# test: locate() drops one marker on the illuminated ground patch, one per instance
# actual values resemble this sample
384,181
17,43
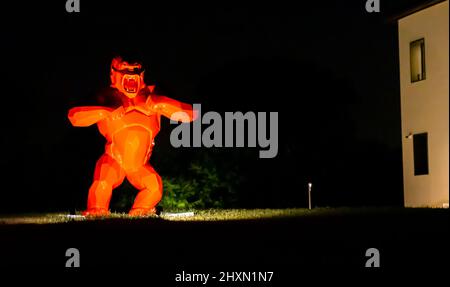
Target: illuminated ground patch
220,215
189,215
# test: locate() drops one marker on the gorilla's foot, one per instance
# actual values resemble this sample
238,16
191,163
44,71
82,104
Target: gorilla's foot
96,212
142,212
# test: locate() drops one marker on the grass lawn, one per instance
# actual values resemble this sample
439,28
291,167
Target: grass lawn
176,215
217,214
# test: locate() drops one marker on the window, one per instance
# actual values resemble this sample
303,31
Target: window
420,146
417,61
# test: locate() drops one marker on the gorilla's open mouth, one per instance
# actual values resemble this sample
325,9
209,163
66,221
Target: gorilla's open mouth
130,83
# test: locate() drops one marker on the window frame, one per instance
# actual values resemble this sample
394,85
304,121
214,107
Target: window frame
423,75
421,156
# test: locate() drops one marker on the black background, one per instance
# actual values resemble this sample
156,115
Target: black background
329,68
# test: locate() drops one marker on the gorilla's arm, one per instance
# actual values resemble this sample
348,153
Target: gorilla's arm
173,109
89,115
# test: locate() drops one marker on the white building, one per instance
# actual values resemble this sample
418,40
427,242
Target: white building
424,66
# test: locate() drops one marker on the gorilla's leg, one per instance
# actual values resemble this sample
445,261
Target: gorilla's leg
108,175
147,180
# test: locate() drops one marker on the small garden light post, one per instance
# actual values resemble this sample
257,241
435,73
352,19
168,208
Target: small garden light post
309,194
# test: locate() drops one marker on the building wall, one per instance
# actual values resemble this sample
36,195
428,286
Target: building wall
425,105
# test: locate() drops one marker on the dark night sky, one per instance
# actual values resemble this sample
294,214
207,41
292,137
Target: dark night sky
328,67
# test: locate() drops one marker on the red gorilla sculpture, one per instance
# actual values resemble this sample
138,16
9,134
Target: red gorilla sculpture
129,131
